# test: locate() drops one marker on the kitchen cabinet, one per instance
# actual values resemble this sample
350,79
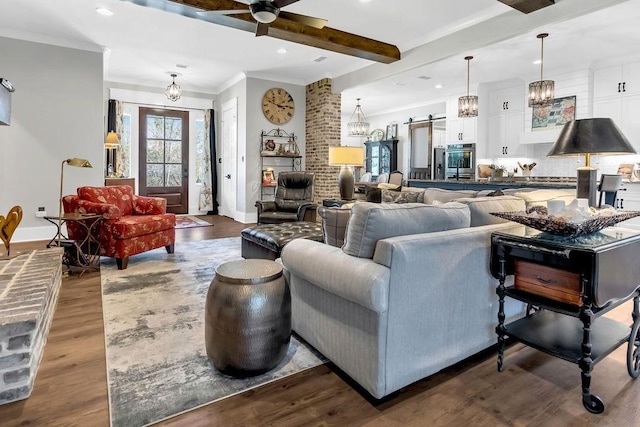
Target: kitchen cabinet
381,156
505,122
629,200
617,95
459,129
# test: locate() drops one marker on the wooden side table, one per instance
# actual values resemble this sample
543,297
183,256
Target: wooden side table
600,269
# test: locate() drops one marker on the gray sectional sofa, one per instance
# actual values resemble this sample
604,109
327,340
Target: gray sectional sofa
409,293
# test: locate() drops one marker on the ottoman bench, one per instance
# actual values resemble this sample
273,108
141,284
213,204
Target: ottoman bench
266,241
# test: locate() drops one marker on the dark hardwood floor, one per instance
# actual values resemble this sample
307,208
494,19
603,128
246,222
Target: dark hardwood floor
534,390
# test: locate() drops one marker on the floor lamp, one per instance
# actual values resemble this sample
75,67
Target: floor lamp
598,136
346,157
80,163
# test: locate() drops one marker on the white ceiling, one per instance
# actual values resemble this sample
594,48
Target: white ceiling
143,45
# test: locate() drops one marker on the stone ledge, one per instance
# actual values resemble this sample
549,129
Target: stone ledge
29,288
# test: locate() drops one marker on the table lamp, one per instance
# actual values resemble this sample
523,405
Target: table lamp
80,163
346,157
598,136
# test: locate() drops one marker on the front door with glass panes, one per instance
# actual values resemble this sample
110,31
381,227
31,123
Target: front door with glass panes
164,157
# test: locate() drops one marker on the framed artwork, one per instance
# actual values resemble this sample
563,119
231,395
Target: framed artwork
561,111
392,131
268,177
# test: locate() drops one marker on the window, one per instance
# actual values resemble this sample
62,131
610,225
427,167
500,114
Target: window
200,152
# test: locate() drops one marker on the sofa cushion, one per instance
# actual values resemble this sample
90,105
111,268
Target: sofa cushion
541,196
431,194
480,208
118,195
371,222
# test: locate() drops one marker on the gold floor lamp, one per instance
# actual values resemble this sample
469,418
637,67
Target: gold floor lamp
80,163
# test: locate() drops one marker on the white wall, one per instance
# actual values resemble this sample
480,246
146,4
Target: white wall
251,122
57,113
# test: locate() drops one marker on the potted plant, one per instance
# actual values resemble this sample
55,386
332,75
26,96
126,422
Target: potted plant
497,170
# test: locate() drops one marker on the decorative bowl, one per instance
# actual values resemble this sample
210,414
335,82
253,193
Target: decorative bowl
568,229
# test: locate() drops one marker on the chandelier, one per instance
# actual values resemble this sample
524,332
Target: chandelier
541,92
173,91
468,105
358,125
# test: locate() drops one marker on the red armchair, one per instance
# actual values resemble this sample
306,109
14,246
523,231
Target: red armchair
131,224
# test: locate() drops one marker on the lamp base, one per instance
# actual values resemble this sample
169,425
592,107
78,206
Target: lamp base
346,182
586,188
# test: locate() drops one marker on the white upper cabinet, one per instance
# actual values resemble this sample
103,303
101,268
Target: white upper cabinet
507,99
617,96
617,80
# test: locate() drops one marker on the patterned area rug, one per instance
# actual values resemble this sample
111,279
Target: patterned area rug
190,221
157,365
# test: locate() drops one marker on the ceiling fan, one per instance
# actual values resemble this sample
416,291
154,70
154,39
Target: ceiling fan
266,18
267,11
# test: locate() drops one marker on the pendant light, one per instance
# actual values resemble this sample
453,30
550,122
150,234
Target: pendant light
541,92
468,105
358,125
173,91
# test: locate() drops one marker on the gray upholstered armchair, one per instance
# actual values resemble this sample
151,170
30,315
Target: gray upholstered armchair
293,200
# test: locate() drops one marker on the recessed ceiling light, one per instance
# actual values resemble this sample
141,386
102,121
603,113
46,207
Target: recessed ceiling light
399,84
439,86
365,1
424,77
320,59
282,51
104,11
181,66
537,62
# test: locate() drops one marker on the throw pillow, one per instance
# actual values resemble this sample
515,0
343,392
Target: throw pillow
373,194
390,196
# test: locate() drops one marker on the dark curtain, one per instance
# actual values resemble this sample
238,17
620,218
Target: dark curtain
214,162
111,116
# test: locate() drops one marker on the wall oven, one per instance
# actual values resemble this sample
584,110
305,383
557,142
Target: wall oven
461,161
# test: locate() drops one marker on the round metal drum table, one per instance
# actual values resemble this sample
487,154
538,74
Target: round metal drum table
247,317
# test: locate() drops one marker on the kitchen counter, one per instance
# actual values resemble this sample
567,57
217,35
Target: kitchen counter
494,184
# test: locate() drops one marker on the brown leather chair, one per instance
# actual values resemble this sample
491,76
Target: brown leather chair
293,200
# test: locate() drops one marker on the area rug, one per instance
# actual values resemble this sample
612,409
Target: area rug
157,365
190,221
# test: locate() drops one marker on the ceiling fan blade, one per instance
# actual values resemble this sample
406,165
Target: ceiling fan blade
262,29
304,19
207,13
282,3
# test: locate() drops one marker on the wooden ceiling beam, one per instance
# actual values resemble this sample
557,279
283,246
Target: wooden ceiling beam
528,6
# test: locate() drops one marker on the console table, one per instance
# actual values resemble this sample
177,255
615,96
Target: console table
568,284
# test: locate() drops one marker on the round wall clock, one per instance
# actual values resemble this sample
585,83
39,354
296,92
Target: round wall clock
377,135
277,105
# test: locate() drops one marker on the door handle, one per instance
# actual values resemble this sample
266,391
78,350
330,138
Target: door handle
504,105
228,176
623,86
507,104
185,173
619,87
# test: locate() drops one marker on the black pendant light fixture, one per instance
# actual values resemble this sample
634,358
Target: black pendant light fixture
541,92
468,105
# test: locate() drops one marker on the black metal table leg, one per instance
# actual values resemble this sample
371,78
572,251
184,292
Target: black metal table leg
501,330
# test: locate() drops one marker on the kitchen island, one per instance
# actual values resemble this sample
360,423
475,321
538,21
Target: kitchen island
496,183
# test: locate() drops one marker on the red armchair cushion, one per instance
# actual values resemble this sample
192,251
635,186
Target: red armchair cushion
141,225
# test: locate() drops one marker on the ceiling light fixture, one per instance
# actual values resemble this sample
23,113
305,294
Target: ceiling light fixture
282,51
468,105
104,11
264,12
358,125
541,92
173,91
